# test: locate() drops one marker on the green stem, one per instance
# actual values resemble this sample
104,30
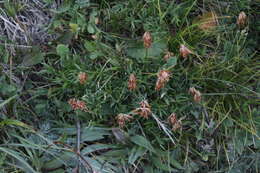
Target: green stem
78,140
146,53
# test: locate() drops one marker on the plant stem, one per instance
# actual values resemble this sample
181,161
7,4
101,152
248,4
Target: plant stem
146,53
78,141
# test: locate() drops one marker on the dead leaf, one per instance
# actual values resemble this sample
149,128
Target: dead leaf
207,21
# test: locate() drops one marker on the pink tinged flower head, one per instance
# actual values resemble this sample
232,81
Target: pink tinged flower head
132,82
144,110
163,78
196,94
122,119
176,124
77,104
82,77
184,51
147,39
242,18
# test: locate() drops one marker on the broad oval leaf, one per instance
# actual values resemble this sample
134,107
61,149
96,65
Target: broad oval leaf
143,142
171,62
62,50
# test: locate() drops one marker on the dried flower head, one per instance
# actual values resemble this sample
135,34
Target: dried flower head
144,104
144,110
97,21
147,39
196,94
122,118
163,78
82,76
184,51
132,82
241,20
172,119
77,104
94,36
197,97
167,55
192,90
176,124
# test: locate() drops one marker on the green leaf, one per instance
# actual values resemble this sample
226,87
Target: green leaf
66,6
7,122
96,147
65,37
91,29
62,50
176,164
7,101
135,153
83,3
100,164
143,142
160,165
88,133
90,46
33,57
17,156
138,51
94,55
74,27
93,134
171,62
116,153
63,158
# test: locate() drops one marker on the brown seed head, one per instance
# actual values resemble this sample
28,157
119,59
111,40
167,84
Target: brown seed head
94,36
122,118
197,97
144,110
132,82
241,20
82,76
97,21
196,94
184,51
172,119
163,78
77,104
144,104
167,55
176,124
147,39
192,90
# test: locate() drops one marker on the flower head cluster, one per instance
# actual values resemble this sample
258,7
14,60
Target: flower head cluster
144,110
196,94
184,51
132,82
77,104
122,118
147,39
241,20
163,78
97,21
82,77
176,124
